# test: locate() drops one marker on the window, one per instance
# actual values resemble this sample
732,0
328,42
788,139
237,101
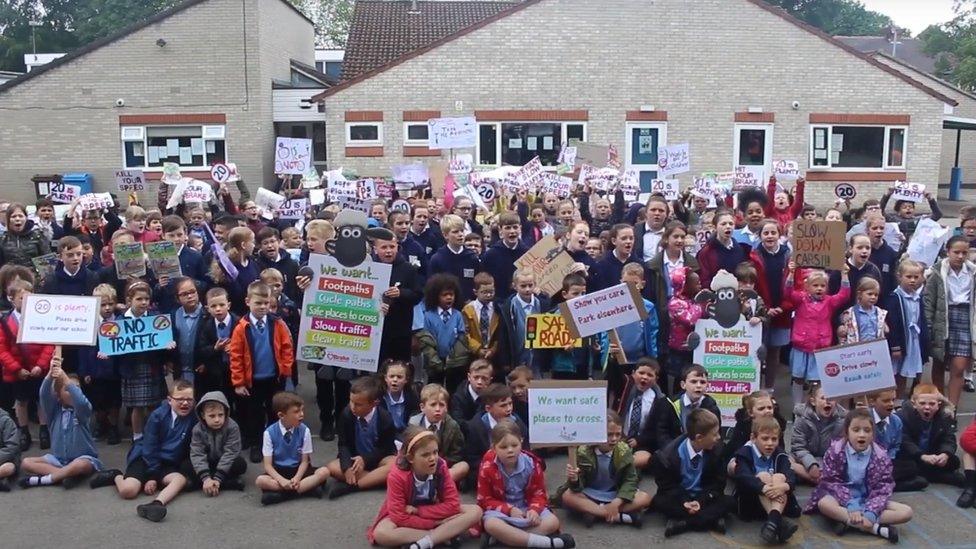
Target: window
516,143
415,134
148,147
753,144
858,147
364,134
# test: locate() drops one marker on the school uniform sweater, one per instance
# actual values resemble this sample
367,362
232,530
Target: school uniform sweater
378,447
499,261
609,270
668,420
477,438
886,259
163,439
70,435
748,488
463,406
463,265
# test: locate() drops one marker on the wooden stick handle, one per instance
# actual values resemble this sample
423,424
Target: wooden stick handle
572,455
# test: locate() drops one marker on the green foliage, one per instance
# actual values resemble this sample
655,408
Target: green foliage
332,20
838,17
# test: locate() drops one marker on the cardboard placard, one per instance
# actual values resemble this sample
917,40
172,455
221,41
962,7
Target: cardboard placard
452,133
913,192
729,355
341,322
589,153
438,178
125,336
604,310
130,260
673,159
567,413
130,181
786,170
164,259
548,331
667,187
293,209
62,193
59,320
855,369
292,155
549,262
747,177
819,244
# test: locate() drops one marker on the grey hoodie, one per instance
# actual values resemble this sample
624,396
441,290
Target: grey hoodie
218,447
812,434
9,439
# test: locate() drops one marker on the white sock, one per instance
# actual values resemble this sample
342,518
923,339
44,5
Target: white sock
797,392
535,540
625,518
881,531
136,436
46,480
423,543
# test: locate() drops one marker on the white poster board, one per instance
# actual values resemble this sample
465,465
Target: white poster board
293,156
567,413
461,163
730,356
667,187
130,181
912,192
62,193
293,209
786,170
59,320
94,201
603,310
927,241
748,177
267,200
452,133
220,173
855,369
673,159
197,191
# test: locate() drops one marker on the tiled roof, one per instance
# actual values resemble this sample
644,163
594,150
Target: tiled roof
385,30
908,50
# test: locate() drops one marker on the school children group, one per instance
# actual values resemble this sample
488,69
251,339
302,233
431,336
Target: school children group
448,412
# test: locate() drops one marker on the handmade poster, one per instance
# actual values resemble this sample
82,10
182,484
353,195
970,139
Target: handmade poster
408,177
698,241
316,197
461,163
293,209
487,192
219,173
452,133
130,181
123,336
590,153
59,320
529,176
198,191
667,187
95,201
164,259
703,187
567,156
45,264
819,244
673,159
630,185
550,263
567,413
341,322
855,369
748,177
130,260
311,179
729,355
292,155
912,192
786,170
603,310
267,200
171,173
548,331
471,193
845,191
383,188
553,183
62,193
928,240
600,179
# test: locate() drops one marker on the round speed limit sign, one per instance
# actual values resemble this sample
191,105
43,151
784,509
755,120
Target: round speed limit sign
220,173
845,191
487,192
400,205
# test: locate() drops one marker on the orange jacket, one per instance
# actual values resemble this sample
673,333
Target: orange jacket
241,365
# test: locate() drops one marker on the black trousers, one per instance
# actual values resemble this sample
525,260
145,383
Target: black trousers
255,411
450,378
673,508
332,395
942,475
237,468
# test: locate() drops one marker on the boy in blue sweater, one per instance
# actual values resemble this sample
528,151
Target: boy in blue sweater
100,376
73,455
453,258
635,340
888,430
287,450
499,260
157,458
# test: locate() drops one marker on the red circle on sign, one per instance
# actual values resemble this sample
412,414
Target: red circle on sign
832,369
109,329
161,323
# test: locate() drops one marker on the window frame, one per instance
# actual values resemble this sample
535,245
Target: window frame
498,138
769,128
208,132
885,167
378,142
662,141
407,142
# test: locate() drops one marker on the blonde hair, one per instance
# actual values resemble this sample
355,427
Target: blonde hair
868,283
235,243
271,274
817,274
135,213
320,228
433,391
451,222
105,291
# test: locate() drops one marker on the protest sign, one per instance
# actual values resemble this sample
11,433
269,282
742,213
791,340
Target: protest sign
452,133
699,239
855,369
548,331
267,200
928,241
316,196
407,177
198,191
292,155
667,187
748,177
471,193
44,265
553,183
293,209
438,178
130,181
62,193
786,170
164,259
603,310
630,185
549,262
912,192
673,159
529,176
487,192
600,179
703,187
567,157
171,173
95,201
730,356
219,173
311,179
461,163
567,413
383,188
819,244
845,191
130,260
400,205
590,153
59,320
123,336
341,322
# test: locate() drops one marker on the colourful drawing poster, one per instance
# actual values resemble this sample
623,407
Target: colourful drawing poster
548,331
341,321
124,336
729,355
130,260
164,259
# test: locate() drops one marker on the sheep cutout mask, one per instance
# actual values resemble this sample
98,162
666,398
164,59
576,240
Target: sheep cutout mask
724,306
351,245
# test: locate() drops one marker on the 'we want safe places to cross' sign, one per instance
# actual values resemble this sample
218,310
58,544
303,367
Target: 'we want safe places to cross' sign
567,413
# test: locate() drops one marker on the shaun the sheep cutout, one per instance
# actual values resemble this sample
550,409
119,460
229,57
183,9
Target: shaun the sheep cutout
351,245
723,305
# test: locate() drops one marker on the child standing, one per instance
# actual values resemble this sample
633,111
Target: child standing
670,417
366,433
512,493
100,377
864,321
212,346
908,331
240,247
439,327
774,257
286,450
422,508
482,318
856,487
691,478
637,339
634,405
929,436
433,416
514,312
764,481
454,259
968,443
603,485
399,399
816,423
215,447
573,362
186,324
684,313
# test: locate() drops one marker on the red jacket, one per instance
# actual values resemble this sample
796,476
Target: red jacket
14,356
785,217
241,359
399,492
491,487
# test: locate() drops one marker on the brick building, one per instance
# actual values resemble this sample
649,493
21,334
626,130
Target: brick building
199,74
741,82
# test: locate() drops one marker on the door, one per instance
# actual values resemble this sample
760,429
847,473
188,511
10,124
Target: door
642,142
753,147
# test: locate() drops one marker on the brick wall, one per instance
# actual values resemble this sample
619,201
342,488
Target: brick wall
702,61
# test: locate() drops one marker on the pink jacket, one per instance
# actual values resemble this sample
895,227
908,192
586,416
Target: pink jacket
812,322
683,310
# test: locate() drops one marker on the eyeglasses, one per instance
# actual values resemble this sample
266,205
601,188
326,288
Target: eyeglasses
187,293
182,400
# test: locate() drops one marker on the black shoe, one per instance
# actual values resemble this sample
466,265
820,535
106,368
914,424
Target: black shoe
72,482
455,542
104,478
340,489
786,530
637,521
968,386
840,528
911,485
25,483
272,498
327,433
485,540
153,511
769,532
235,483
967,498
44,438
4,485
719,526
25,439
892,536
568,541
315,492
674,527
953,478
112,435
256,456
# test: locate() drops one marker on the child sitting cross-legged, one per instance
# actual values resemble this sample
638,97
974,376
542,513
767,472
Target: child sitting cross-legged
215,445
433,416
764,481
366,433
287,451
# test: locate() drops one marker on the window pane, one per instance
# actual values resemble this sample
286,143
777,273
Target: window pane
215,152
417,132
896,147
181,137
369,132
487,143
857,146
133,160
821,155
522,142
752,147
643,146
574,131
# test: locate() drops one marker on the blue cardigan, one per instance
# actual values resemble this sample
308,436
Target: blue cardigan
162,440
74,439
898,328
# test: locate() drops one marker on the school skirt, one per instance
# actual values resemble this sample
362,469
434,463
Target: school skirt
959,342
142,388
53,460
514,521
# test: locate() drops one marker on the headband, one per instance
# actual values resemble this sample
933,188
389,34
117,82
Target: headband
416,438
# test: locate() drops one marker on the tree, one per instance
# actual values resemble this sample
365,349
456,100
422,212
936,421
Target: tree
839,17
332,20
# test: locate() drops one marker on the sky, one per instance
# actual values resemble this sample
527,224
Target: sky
913,14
